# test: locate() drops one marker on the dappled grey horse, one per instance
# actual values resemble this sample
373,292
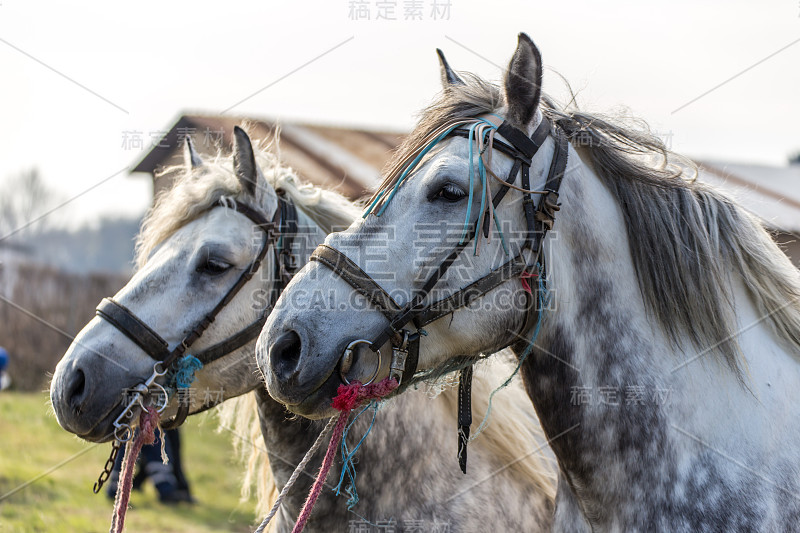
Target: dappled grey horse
657,325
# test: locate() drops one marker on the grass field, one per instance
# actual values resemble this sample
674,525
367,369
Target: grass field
32,443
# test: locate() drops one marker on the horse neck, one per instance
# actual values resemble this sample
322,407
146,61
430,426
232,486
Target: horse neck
605,380
287,437
310,236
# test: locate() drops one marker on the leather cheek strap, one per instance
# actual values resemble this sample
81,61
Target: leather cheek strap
350,272
133,328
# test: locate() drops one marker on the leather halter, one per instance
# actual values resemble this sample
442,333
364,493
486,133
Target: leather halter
539,219
285,222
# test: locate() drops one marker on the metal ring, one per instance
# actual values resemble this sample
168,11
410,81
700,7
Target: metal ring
350,349
158,369
161,393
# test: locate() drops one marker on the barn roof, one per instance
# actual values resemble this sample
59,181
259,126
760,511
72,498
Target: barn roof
770,192
345,159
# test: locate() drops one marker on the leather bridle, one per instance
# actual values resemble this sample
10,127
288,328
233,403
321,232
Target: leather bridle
284,226
539,219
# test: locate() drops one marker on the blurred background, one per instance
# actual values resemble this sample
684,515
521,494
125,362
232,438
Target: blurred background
97,97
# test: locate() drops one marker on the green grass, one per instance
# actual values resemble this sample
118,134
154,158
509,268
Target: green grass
32,442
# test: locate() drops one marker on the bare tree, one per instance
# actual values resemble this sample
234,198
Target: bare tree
23,200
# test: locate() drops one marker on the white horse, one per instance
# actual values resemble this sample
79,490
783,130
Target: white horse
190,251
664,368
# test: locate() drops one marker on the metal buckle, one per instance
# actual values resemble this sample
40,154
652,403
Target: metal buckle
347,361
399,356
123,429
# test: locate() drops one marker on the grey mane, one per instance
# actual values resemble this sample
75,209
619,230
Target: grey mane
686,239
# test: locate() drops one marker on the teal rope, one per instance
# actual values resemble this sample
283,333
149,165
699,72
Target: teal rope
348,466
183,375
406,173
543,297
471,183
482,173
412,166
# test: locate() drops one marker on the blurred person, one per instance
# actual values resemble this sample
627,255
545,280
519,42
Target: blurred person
5,380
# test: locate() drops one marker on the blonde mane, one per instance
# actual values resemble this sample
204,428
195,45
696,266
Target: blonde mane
239,416
198,190
686,238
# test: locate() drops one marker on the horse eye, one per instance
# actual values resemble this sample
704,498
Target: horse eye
213,267
449,193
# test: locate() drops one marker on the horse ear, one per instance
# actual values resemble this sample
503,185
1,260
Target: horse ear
244,161
449,77
191,159
523,82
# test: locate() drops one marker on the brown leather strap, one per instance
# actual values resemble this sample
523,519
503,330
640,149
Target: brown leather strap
346,269
155,346
528,146
233,343
285,264
464,414
135,329
268,227
471,292
179,419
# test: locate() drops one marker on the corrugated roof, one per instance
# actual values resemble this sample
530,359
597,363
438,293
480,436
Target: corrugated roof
344,159
772,193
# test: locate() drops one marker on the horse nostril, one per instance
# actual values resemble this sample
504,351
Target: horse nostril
285,355
76,389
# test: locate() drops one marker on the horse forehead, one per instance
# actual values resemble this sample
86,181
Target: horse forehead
215,227
454,154
220,226
226,222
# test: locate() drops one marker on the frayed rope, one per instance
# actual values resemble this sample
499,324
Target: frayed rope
348,397
348,456
148,421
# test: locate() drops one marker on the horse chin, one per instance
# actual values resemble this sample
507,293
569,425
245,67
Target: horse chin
103,430
317,404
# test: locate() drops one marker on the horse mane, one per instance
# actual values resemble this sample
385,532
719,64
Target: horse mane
198,190
686,238
239,416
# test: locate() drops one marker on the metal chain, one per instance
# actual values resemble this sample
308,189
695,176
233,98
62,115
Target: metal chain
112,458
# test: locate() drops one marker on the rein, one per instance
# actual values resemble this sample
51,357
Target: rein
284,225
348,396
539,219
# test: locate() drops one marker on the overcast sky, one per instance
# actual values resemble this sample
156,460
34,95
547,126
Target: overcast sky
76,76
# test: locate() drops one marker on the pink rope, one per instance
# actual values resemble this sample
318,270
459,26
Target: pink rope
347,398
524,277
148,421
